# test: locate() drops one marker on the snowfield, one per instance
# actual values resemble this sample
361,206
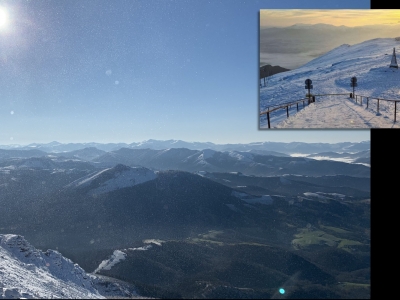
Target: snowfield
330,74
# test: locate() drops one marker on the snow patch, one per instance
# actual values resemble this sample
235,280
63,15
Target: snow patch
335,195
315,195
298,155
144,248
153,241
88,178
207,153
202,173
114,178
107,264
242,156
125,179
341,159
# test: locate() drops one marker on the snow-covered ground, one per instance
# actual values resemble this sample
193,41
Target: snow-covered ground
26,272
331,73
341,112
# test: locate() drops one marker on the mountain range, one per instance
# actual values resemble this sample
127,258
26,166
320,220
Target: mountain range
187,223
287,148
253,162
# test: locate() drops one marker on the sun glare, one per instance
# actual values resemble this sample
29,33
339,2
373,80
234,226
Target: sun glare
3,17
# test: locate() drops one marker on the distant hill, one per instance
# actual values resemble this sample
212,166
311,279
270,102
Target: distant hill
271,70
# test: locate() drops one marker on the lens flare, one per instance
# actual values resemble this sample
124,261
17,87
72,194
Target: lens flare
3,17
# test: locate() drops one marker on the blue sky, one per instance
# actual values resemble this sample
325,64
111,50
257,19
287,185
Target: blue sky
125,71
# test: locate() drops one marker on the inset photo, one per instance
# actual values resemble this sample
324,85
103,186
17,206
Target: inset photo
329,69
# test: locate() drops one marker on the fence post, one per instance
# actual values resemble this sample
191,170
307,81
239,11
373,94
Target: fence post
378,105
297,106
287,111
395,102
303,103
356,98
269,125
367,101
361,100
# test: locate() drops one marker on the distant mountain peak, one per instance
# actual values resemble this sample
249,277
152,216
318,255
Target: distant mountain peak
317,26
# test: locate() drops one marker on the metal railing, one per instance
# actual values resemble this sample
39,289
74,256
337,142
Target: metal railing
378,99
287,105
312,100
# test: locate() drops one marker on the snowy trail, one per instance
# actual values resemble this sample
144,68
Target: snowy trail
338,112
331,73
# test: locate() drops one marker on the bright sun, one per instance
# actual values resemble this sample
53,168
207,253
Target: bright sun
3,17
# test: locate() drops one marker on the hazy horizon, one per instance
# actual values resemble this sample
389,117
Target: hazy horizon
289,46
283,136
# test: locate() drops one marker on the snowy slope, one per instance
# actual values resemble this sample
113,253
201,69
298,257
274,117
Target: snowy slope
30,273
368,61
111,179
26,272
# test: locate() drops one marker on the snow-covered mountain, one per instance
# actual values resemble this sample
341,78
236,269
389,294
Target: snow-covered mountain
65,149
215,161
330,74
